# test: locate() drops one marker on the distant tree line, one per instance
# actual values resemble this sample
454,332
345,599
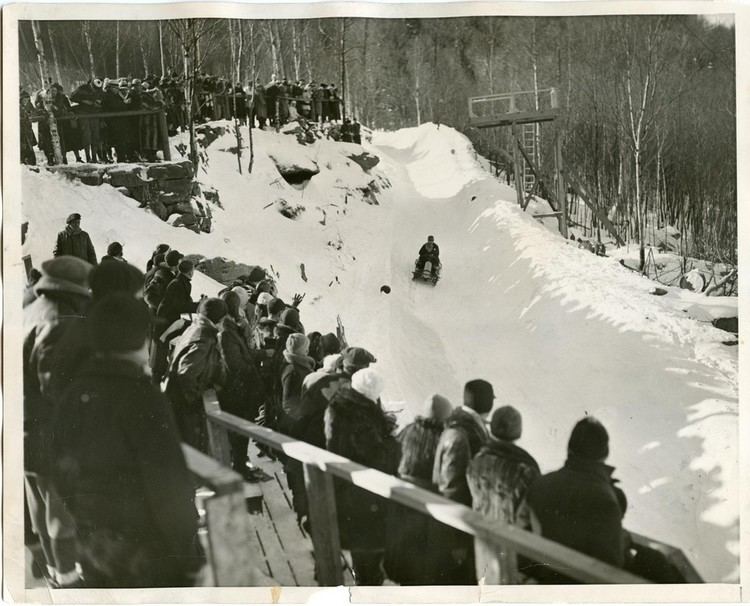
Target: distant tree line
649,101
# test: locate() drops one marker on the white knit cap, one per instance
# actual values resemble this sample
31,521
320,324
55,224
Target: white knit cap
369,382
242,294
330,361
264,298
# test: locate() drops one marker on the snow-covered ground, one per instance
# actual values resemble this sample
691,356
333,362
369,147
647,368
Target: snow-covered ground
559,332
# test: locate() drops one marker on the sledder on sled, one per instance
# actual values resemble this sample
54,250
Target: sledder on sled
428,265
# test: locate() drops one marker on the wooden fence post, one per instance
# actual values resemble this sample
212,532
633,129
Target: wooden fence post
324,527
164,135
496,565
218,441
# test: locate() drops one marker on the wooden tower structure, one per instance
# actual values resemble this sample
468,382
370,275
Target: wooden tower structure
525,112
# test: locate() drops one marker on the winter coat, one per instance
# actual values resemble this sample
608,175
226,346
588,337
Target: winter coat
177,300
462,438
579,506
76,244
499,477
406,561
434,253
244,392
196,360
155,286
293,373
45,321
359,429
120,468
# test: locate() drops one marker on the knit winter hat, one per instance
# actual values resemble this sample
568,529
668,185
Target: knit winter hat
329,344
72,217
589,439
184,266
437,407
118,322
482,395
330,362
109,278
232,300
357,358
214,309
506,424
65,274
173,257
297,344
242,294
369,382
265,298
276,306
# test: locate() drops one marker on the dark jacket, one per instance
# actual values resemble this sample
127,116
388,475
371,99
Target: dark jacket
464,435
406,561
359,429
196,361
177,300
120,468
243,392
75,244
155,286
45,322
423,252
499,477
293,373
579,506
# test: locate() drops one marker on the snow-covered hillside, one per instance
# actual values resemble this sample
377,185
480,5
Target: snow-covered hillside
559,332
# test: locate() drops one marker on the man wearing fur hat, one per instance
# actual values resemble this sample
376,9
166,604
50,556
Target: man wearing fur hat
195,366
74,241
357,427
119,465
62,297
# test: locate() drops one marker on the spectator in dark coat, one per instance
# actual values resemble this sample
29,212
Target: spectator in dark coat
119,465
195,366
243,392
297,365
579,505
161,249
29,296
62,296
74,241
464,435
407,562
177,299
499,476
114,252
356,427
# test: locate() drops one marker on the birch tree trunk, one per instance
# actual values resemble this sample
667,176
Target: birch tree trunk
86,26
117,48
53,47
237,134
161,50
52,123
143,51
274,50
343,68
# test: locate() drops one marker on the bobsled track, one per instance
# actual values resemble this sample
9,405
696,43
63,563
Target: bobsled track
559,332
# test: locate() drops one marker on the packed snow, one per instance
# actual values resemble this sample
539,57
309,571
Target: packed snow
559,332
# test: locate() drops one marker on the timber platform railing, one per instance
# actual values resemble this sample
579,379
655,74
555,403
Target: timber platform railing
504,541
160,113
517,107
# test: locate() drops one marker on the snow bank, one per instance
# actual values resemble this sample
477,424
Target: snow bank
442,161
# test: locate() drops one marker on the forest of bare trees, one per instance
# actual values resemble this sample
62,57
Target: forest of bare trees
649,101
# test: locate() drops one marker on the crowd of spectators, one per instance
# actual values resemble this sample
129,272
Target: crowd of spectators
115,366
139,137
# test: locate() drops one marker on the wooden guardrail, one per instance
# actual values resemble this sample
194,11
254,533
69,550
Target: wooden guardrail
232,564
159,113
505,541
514,107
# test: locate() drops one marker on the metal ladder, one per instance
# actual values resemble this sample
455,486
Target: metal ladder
528,140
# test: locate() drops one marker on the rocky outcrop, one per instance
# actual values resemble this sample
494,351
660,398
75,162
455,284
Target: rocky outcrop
228,272
167,189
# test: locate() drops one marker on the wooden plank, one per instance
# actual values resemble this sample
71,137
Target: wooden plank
324,526
575,564
274,554
514,118
673,554
221,480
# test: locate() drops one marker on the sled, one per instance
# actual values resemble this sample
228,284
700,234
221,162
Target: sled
426,274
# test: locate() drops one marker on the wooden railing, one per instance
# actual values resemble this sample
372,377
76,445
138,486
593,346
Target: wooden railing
159,113
505,541
514,102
